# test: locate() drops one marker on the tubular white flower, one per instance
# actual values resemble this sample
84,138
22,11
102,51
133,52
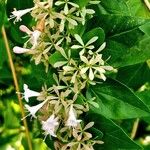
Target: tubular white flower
49,125
72,121
34,38
19,13
34,35
29,93
20,50
34,109
25,29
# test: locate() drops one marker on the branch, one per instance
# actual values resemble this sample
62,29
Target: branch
147,3
16,86
135,127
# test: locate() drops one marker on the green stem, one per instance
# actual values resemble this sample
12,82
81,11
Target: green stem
135,127
147,3
16,86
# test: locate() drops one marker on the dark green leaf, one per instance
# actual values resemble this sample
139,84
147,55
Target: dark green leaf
138,8
56,57
114,137
2,12
38,77
122,56
117,101
99,32
131,75
115,7
3,53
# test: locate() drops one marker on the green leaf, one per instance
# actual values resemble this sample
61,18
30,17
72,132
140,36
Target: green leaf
37,77
114,137
118,27
145,97
122,56
96,133
13,121
82,3
126,41
146,28
99,32
138,8
2,12
117,101
134,76
79,29
114,7
56,57
3,53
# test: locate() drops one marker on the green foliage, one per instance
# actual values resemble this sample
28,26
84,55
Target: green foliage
116,101
114,136
125,27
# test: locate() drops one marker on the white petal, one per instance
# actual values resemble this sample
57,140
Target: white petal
68,68
90,47
66,9
92,40
20,50
71,21
25,29
84,59
34,109
78,38
103,76
59,64
91,74
73,4
73,79
90,11
101,47
84,70
76,46
59,3
107,68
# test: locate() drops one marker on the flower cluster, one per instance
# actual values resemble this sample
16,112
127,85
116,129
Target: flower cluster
59,109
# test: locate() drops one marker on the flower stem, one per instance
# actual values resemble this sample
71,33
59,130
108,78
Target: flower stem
147,3
135,127
16,86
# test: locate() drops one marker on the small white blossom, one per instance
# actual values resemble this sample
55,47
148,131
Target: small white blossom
66,3
17,14
20,50
49,125
94,65
72,121
29,93
34,109
34,35
82,45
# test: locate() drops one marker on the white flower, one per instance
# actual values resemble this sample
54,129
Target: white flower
95,63
83,12
34,35
72,121
29,93
66,3
34,109
49,125
82,45
20,50
18,14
